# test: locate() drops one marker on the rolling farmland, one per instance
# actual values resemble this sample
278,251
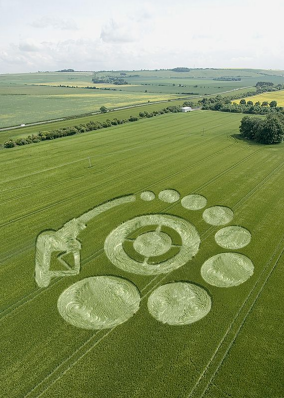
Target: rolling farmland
32,97
191,167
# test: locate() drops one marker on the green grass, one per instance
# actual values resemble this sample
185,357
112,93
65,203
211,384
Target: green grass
235,350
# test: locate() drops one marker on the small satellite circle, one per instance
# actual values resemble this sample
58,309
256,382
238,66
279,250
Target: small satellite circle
152,244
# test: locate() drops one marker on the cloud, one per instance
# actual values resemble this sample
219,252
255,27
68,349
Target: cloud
55,23
119,32
29,46
128,28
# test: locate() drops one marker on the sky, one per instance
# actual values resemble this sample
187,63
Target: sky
48,35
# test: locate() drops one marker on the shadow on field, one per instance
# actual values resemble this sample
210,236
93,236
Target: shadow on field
238,137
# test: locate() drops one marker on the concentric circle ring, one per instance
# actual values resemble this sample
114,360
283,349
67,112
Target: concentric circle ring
115,252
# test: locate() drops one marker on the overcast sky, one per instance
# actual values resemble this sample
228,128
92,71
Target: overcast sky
136,34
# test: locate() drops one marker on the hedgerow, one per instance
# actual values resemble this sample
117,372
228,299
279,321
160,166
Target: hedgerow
83,128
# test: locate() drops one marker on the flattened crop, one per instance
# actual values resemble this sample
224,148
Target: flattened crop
179,303
218,215
227,269
99,302
233,237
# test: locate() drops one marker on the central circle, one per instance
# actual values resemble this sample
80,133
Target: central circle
152,243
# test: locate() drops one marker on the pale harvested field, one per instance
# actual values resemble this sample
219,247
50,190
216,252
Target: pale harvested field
272,96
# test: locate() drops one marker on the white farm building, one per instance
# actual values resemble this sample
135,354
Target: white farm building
186,109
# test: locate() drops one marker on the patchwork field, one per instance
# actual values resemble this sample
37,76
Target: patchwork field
45,103
158,212
33,97
272,96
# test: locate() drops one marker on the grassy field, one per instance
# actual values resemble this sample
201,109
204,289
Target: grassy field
236,350
272,96
32,97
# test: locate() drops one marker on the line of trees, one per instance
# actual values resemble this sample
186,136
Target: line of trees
265,131
110,80
224,104
82,128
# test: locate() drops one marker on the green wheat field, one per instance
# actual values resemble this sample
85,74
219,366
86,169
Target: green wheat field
236,350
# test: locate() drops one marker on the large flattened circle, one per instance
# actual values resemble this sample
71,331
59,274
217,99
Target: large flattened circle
179,303
100,302
227,269
218,215
233,237
115,252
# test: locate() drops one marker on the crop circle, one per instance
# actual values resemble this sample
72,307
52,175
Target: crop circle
179,303
189,246
152,244
218,215
193,202
233,237
100,302
147,196
169,196
227,269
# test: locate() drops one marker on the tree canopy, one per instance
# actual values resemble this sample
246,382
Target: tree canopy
265,131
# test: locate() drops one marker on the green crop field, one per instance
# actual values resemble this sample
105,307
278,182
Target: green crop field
167,312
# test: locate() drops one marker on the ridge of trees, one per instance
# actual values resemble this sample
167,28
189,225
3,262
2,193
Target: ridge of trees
228,79
66,70
180,69
110,80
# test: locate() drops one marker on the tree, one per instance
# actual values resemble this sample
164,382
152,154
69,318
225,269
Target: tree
273,104
243,102
103,109
188,103
249,103
265,103
249,127
9,144
271,130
